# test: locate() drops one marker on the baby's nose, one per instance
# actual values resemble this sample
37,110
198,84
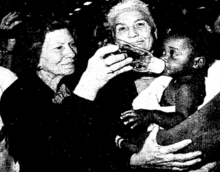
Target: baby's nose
164,58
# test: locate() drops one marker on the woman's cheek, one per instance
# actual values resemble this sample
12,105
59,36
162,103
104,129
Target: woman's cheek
150,42
122,36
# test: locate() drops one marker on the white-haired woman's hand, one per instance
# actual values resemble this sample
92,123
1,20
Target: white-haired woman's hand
102,67
155,156
210,167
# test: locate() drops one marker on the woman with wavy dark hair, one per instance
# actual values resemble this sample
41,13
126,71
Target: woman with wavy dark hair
49,126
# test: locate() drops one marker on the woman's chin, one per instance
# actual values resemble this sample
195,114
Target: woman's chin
68,71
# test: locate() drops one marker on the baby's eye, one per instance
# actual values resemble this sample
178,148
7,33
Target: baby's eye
173,54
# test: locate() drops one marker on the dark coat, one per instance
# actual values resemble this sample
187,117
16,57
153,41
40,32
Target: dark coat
44,136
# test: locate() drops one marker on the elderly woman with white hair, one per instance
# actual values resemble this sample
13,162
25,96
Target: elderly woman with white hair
132,24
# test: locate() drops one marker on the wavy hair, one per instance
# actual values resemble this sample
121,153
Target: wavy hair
30,41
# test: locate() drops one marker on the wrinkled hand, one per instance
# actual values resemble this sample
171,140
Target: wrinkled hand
101,69
8,22
134,118
155,156
206,168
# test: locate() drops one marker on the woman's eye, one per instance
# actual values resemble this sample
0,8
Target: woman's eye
72,44
59,48
141,24
120,29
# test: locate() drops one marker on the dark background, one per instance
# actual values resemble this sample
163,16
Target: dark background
91,22
170,11
91,18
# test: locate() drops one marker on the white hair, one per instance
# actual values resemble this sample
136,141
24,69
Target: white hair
130,5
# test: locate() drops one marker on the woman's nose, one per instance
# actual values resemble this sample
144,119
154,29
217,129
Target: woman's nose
70,52
132,32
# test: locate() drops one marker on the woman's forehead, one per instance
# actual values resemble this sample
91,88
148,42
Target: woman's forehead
129,16
59,36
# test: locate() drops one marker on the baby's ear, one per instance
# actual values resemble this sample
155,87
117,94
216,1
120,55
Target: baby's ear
199,62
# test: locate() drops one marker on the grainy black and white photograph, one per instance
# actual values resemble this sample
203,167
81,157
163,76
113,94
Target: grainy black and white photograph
109,85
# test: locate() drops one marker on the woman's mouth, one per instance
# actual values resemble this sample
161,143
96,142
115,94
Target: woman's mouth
68,62
139,44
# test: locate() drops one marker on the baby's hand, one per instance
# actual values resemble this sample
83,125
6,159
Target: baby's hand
133,118
125,144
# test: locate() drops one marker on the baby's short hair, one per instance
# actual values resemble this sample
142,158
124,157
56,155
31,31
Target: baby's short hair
130,5
198,41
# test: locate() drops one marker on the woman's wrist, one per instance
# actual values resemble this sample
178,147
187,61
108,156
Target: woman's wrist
86,88
83,91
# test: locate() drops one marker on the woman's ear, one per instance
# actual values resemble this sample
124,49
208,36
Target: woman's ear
199,62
